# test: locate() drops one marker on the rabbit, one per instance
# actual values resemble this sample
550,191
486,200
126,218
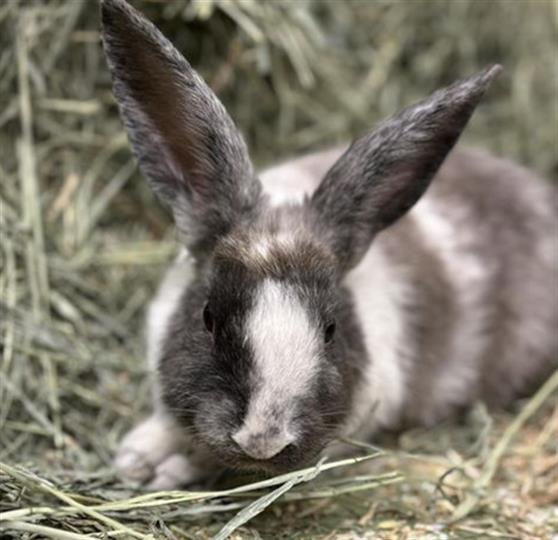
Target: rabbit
389,283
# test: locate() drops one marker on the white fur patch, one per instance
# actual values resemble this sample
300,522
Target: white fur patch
285,344
379,291
448,230
287,183
176,281
291,181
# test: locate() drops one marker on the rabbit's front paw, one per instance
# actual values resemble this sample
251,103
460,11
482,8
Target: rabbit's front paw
175,472
149,455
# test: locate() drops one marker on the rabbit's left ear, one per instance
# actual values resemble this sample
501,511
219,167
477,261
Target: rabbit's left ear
187,145
384,173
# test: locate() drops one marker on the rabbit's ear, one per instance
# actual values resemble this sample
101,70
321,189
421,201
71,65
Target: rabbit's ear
384,173
187,145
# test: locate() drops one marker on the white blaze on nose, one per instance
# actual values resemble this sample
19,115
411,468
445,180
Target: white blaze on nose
284,340
285,347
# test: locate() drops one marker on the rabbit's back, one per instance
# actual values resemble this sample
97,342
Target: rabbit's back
494,227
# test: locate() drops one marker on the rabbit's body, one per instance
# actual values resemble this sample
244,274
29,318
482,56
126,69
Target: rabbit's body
314,304
447,316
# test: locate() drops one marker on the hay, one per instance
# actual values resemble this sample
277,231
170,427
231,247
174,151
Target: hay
83,244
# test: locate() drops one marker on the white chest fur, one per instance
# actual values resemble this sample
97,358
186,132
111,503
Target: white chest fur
162,307
379,291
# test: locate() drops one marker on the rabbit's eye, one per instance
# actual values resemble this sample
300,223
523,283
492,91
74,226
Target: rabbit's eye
208,318
329,332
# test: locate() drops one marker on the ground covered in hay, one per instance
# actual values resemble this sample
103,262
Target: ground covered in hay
83,244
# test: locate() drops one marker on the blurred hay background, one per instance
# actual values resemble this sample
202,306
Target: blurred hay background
83,243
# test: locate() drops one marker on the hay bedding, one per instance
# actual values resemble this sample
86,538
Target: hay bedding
83,244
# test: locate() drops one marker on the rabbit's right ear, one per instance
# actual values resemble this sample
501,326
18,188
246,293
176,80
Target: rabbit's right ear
186,144
384,173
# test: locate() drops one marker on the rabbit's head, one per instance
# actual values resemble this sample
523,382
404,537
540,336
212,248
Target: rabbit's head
264,352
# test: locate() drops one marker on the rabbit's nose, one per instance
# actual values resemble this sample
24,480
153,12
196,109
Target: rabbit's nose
262,444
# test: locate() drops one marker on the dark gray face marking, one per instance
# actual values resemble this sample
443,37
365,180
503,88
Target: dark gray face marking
264,389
